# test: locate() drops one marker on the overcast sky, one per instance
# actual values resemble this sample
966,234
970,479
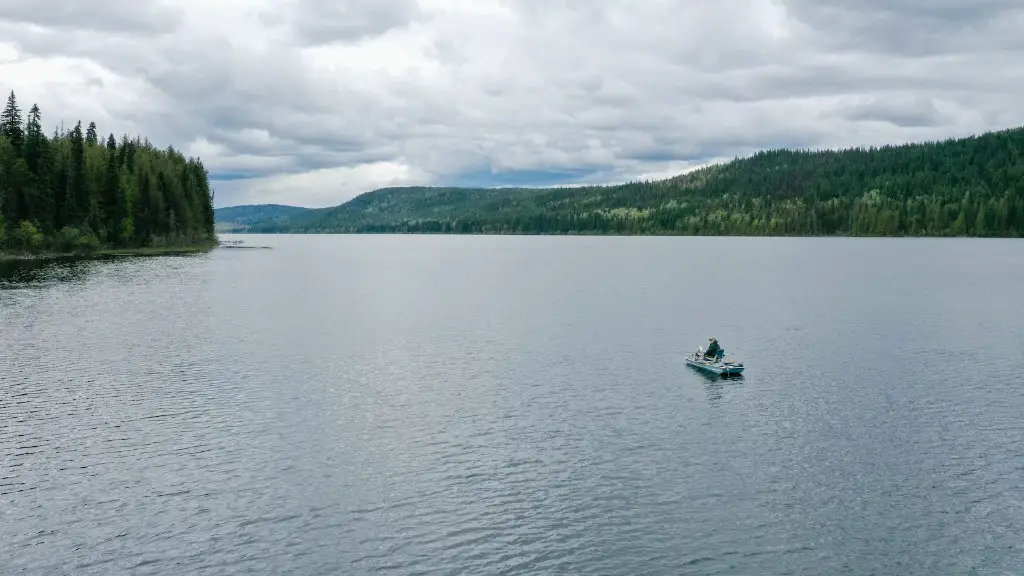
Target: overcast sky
310,102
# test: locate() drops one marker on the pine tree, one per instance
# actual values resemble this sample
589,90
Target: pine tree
144,211
77,202
111,204
981,222
91,138
36,152
10,123
35,140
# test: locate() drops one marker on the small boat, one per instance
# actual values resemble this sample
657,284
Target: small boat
717,366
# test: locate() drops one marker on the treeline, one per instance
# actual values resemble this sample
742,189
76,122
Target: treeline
959,187
75,192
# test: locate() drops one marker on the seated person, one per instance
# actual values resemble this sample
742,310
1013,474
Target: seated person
713,348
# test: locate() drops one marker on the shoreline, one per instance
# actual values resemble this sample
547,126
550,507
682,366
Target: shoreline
106,252
625,235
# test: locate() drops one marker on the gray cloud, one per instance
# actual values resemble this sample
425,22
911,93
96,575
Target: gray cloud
911,27
911,112
321,101
320,22
142,17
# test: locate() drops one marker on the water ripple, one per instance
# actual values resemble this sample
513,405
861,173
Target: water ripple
363,405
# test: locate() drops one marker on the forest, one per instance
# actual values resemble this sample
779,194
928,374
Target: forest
76,192
971,186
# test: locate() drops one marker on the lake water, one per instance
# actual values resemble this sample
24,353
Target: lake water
516,405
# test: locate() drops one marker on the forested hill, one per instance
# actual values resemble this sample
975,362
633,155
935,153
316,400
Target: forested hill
74,191
238,218
959,187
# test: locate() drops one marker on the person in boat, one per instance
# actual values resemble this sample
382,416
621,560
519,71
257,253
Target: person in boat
713,348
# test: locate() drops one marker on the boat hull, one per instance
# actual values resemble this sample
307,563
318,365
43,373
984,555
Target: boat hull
718,368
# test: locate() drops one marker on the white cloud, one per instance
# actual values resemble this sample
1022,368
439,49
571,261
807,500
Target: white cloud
320,100
320,188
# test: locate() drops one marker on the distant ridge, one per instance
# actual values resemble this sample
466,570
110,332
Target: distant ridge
240,218
971,186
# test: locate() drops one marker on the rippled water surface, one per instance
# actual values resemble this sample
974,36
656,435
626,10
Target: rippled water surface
516,405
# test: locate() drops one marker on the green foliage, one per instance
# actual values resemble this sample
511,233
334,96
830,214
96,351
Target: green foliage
28,237
70,239
127,230
81,194
967,187
242,216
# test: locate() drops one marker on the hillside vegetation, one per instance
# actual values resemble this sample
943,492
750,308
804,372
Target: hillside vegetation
959,187
239,218
74,192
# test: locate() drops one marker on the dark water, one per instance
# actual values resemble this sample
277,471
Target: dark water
495,405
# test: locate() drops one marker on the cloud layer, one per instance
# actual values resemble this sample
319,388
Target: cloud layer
310,102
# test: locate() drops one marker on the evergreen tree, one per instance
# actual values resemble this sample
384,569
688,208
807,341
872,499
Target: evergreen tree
10,123
112,204
77,201
91,138
34,148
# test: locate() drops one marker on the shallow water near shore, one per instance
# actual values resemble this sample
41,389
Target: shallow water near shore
516,405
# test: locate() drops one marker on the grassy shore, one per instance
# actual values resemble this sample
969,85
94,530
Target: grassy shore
141,251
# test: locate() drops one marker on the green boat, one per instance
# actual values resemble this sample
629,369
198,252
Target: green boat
717,365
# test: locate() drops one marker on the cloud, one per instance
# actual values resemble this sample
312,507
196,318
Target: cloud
907,112
320,22
143,18
312,102
319,188
914,27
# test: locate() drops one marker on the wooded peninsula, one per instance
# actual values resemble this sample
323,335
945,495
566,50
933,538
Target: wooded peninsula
971,186
75,193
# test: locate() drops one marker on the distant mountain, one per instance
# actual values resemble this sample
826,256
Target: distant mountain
241,218
958,187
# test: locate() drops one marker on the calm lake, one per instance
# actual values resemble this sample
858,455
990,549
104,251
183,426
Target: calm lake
516,405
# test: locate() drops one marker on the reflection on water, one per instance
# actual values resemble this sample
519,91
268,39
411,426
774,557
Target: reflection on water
717,386
42,272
